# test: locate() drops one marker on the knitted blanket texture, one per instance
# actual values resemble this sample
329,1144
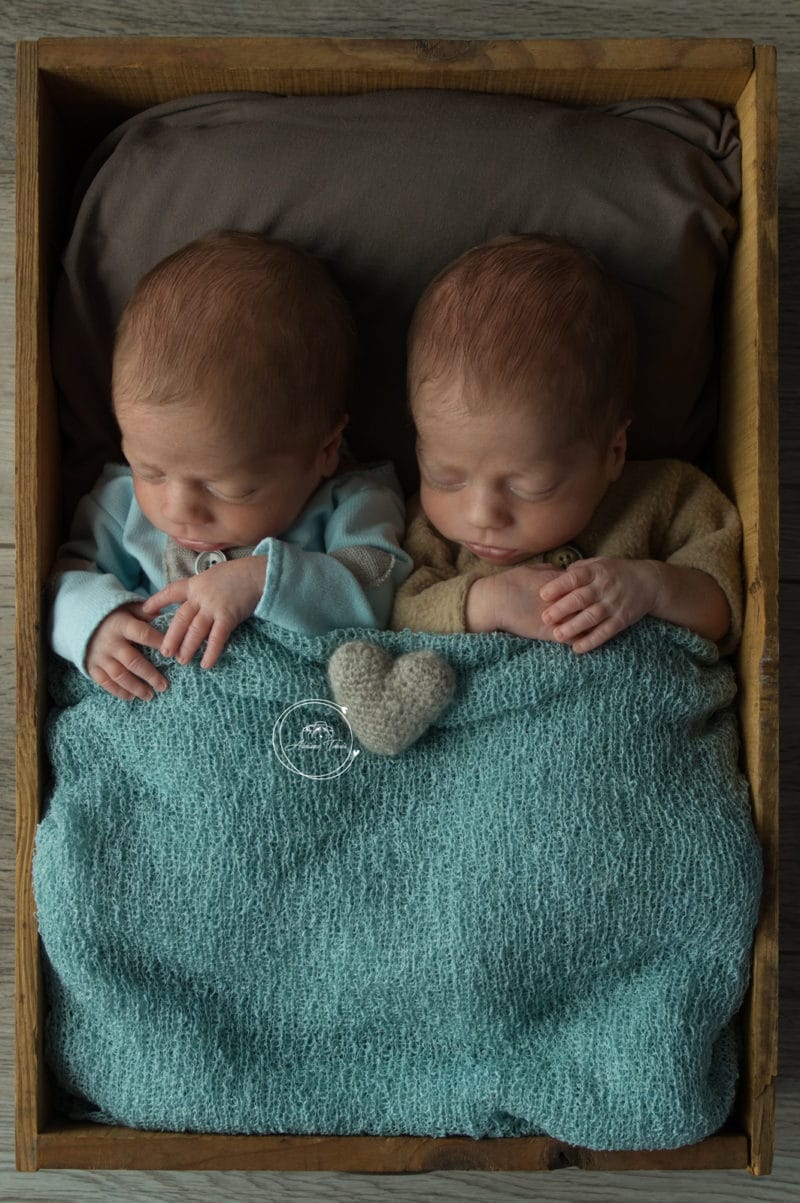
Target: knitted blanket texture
536,919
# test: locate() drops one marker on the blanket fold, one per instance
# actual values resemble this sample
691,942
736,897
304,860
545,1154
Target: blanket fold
538,918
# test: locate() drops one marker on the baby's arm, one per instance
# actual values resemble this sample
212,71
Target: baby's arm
437,597
341,567
593,600
434,597
693,533
96,592
510,601
211,606
349,584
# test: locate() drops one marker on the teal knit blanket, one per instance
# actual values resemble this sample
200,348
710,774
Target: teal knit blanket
537,919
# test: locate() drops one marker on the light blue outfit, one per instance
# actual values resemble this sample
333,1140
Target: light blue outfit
338,565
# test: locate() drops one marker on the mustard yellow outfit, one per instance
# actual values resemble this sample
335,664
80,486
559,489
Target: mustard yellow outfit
658,509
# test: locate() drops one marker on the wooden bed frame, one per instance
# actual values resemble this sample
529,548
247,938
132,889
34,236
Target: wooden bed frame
72,92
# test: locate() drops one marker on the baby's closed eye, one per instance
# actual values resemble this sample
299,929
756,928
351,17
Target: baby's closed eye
532,494
230,495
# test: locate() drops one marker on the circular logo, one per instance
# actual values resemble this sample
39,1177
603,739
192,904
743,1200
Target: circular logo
314,739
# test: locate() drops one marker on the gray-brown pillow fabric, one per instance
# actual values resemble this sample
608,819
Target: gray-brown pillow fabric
387,187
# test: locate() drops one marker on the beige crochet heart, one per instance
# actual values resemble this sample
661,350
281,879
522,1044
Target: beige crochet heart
389,702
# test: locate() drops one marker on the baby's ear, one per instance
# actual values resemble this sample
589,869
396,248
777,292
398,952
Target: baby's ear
617,449
329,452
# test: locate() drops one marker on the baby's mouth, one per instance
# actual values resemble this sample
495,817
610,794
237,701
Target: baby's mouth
198,545
485,552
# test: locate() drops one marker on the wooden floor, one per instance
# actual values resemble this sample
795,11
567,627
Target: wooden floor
768,21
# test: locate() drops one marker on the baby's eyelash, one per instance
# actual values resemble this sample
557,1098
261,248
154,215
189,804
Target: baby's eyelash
435,483
230,496
447,485
541,496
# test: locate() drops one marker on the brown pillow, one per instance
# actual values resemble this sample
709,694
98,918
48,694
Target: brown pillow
387,187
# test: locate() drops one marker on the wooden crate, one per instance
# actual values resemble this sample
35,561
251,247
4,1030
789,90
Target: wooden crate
72,92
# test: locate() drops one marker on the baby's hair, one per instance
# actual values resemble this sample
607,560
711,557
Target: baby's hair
256,322
529,320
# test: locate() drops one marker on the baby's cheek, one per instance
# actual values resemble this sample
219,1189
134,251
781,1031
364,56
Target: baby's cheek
441,512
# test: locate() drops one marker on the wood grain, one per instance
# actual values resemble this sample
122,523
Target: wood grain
775,21
747,454
7,266
137,72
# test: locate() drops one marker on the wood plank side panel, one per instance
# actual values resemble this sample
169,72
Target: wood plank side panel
93,1147
29,1102
747,467
39,190
134,73
376,54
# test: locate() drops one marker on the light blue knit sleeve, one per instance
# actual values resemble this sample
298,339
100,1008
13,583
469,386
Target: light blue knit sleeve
343,569
96,570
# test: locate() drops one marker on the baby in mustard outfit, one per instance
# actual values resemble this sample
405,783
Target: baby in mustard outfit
529,520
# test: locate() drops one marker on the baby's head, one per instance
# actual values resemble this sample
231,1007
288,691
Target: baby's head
232,365
521,358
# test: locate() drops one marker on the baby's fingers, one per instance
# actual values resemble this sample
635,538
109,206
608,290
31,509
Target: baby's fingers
601,634
586,619
570,579
112,686
135,678
193,626
557,587
576,601
173,594
176,633
218,637
139,631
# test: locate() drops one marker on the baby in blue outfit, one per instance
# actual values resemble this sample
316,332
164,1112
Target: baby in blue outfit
231,369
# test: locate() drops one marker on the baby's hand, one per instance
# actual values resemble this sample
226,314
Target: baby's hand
212,604
114,662
510,602
595,599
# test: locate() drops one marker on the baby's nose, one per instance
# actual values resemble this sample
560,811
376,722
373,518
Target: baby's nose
182,503
487,509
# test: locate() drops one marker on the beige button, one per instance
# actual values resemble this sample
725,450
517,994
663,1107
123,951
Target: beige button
207,559
562,557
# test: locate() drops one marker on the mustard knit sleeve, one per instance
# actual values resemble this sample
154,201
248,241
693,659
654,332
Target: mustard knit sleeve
705,532
433,598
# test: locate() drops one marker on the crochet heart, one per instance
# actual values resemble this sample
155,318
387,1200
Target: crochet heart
389,702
